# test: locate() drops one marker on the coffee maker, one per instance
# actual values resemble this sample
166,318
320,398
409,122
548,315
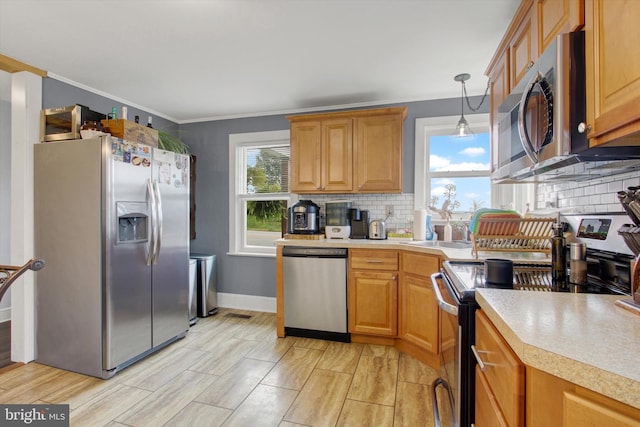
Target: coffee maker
359,224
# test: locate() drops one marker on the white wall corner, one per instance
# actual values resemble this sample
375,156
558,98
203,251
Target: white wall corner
26,103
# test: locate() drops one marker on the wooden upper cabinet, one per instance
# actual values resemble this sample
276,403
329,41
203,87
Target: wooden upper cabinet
523,46
612,55
378,153
306,156
499,87
321,155
337,156
557,17
331,150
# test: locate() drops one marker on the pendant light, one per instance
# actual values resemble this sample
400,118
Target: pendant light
462,129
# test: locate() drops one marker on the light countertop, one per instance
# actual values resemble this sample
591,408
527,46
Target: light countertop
583,338
448,253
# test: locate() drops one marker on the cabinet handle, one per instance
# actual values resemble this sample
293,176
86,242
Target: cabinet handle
374,261
476,354
583,127
393,277
529,65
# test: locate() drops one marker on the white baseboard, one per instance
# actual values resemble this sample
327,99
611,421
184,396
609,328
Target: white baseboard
247,302
5,314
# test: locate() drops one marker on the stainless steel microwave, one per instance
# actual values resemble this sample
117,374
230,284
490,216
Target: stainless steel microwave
59,124
539,132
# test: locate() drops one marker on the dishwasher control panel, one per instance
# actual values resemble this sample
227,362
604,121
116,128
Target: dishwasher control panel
302,251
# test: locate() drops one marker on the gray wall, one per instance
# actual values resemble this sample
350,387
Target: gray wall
59,94
209,142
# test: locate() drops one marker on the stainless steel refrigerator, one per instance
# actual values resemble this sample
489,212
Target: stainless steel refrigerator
112,222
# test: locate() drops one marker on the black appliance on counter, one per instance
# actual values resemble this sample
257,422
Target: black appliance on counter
359,224
608,270
304,218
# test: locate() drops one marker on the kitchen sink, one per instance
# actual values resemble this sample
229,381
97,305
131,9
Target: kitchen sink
456,244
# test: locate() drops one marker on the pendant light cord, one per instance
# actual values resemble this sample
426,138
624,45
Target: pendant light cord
464,90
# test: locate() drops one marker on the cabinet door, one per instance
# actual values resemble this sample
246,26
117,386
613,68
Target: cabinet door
378,153
557,17
523,47
581,411
337,155
419,313
504,372
499,85
612,55
488,411
373,303
306,155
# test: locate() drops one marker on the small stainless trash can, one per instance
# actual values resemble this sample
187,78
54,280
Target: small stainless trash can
207,291
193,291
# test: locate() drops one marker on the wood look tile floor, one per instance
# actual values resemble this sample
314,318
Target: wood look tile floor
232,370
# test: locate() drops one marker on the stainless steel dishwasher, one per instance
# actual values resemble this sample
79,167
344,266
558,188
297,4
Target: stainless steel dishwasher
315,292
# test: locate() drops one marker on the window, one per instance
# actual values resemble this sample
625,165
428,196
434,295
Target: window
259,193
458,180
452,176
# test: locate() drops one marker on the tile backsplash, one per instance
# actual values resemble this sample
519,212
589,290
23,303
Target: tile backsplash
597,195
374,203
593,196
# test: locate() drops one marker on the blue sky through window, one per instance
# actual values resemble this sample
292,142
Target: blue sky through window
450,155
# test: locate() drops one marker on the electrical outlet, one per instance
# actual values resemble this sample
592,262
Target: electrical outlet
388,210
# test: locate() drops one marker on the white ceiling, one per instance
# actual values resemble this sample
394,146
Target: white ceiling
192,60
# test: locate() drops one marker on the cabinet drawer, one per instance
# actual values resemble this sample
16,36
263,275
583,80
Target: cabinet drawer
504,372
420,264
367,259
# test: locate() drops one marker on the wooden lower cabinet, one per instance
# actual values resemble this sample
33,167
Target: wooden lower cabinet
419,314
500,386
552,401
373,292
509,393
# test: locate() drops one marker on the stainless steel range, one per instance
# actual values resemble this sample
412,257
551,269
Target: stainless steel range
608,272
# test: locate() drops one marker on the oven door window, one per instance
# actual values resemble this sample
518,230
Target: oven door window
535,116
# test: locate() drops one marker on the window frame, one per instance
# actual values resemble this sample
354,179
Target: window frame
514,196
237,198
426,127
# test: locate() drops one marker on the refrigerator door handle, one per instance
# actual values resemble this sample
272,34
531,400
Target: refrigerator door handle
152,209
158,241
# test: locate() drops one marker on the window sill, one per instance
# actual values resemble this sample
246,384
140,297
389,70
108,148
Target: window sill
253,254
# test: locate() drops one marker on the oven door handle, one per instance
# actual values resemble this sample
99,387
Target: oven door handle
444,306
434,398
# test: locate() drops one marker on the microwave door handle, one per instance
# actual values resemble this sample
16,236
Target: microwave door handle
444,306
522,125
152,221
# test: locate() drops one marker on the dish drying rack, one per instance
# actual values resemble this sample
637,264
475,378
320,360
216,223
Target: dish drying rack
512,235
